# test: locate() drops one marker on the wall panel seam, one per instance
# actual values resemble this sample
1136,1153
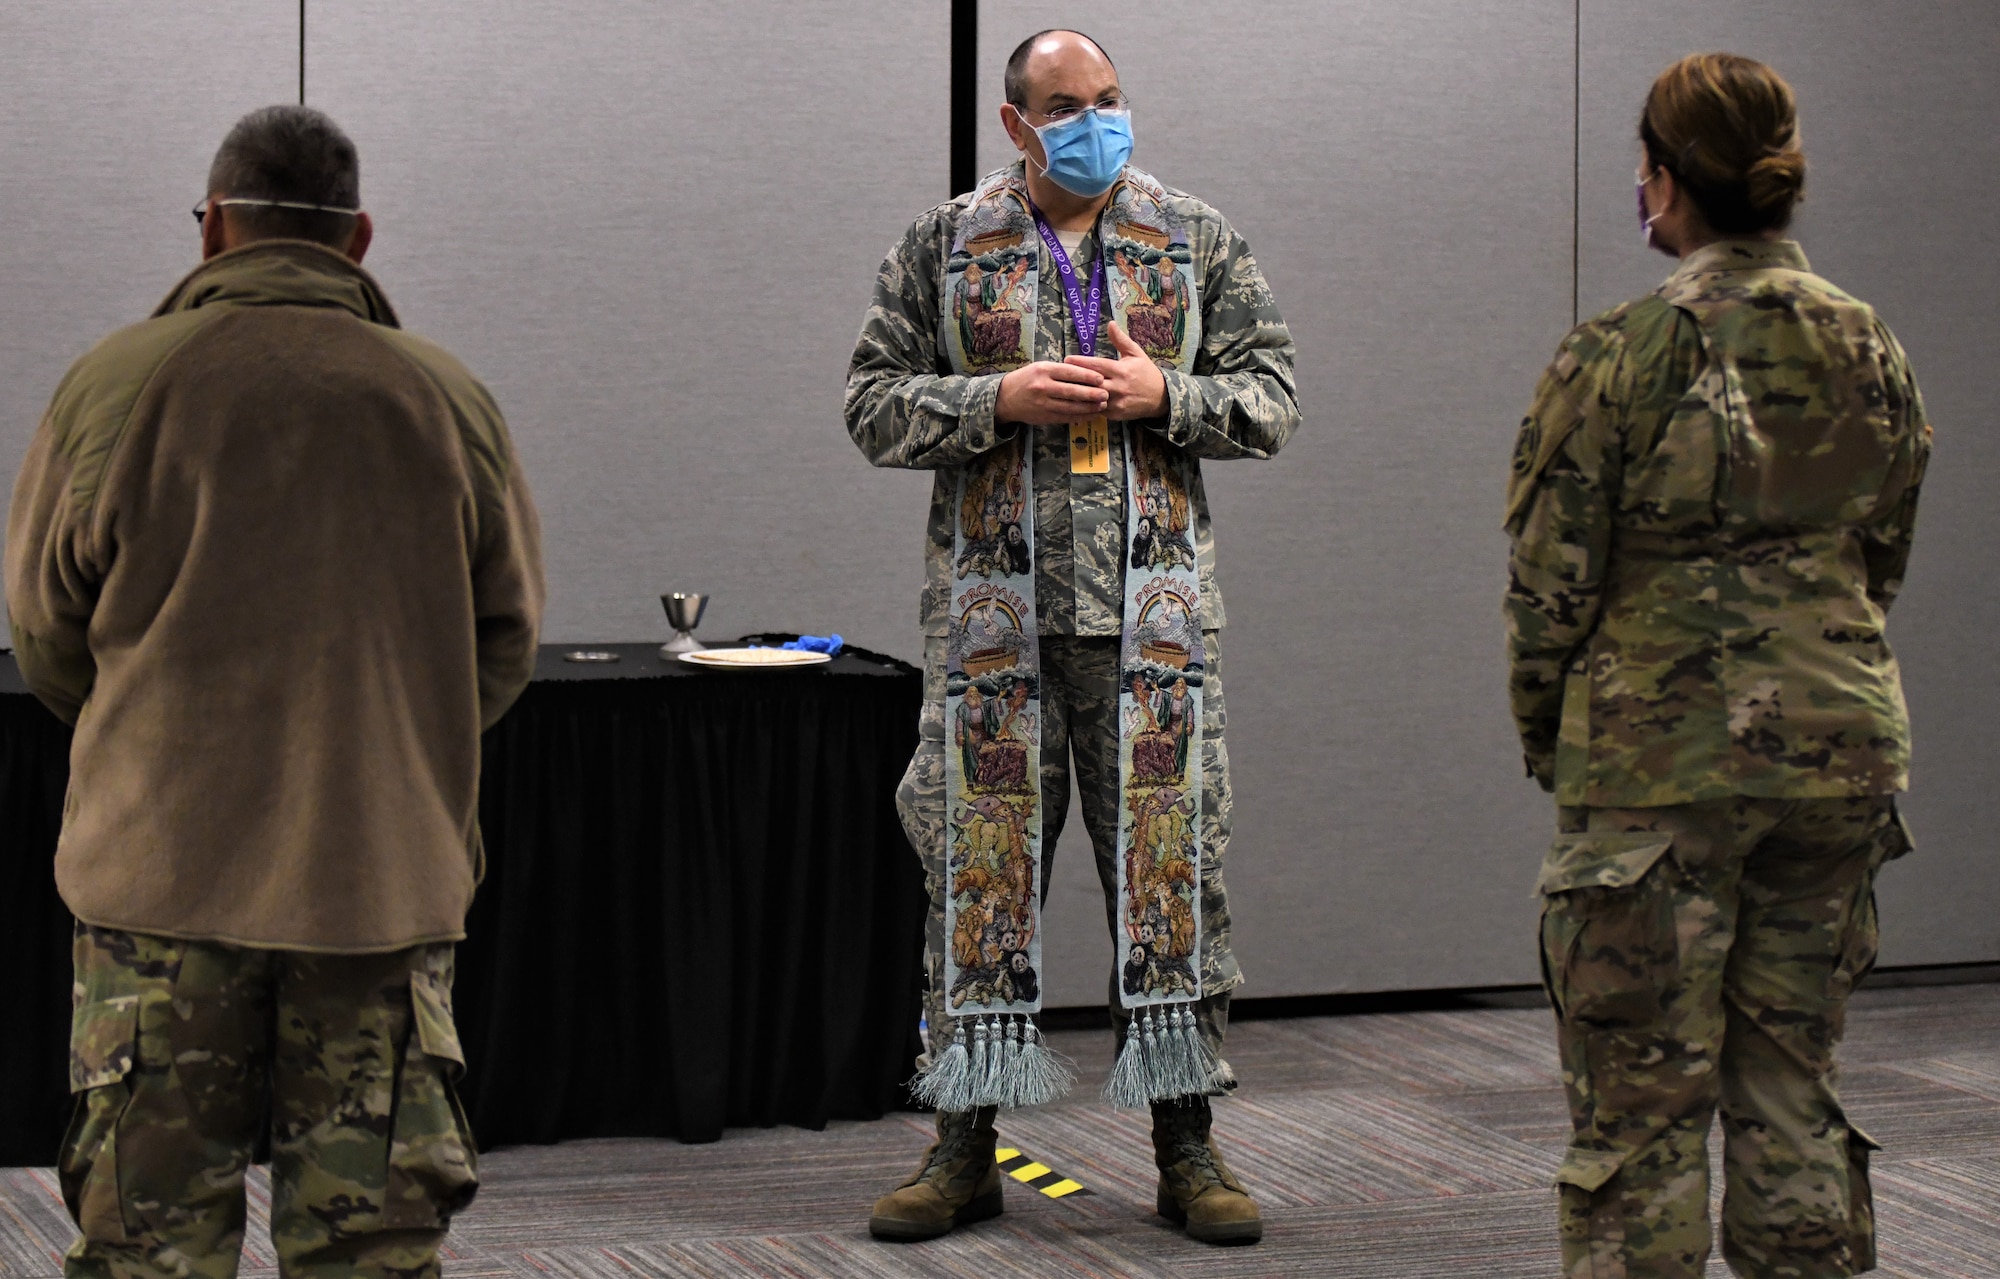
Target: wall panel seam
1577,164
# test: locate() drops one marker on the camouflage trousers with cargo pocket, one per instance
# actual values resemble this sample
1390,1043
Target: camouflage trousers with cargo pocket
1079,710
1699,956
187,1056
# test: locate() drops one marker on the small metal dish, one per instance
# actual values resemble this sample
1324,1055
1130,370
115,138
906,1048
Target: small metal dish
589,655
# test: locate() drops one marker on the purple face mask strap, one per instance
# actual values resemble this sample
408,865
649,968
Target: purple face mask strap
1646,221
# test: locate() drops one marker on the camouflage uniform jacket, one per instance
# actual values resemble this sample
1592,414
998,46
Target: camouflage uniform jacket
907,408
1711,510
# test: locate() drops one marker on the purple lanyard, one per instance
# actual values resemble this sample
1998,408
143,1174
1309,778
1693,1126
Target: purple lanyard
1086,330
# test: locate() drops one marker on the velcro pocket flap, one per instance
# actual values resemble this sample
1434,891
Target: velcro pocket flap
1588,1170
1601,859
430,1002
103,1042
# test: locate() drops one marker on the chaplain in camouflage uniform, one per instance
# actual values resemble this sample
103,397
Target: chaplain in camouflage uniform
1711,511
907,408
274,558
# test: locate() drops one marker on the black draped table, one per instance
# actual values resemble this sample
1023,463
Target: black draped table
699,910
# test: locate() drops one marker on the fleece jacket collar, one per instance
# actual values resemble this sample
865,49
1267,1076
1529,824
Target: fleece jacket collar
282,273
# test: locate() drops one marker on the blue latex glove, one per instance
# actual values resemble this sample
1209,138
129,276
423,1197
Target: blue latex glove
828,644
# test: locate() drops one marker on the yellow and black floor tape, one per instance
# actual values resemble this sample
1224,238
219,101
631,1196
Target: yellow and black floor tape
1037,1175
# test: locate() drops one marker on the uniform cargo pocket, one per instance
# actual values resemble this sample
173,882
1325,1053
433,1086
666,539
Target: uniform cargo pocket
433,1168
1588,1170
1859,948
1601,859
104,1040
1860,1199
1610,953
1582,1222
437,1035
1900,842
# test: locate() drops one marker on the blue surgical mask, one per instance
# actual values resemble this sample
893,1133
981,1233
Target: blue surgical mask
1087,152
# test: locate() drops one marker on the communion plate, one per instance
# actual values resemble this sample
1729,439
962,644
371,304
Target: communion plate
754,658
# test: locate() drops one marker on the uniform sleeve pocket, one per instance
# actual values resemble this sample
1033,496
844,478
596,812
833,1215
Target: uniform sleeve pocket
433,1167
1610,952
1552,419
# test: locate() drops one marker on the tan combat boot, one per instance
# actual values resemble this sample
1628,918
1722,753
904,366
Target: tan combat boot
1197,1189
958,1182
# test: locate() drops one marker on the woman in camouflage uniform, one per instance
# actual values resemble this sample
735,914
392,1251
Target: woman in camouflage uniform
1711,511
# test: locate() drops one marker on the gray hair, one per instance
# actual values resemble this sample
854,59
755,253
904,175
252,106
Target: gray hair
290,153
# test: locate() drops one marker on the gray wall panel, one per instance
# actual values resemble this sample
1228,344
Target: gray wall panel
1898,106
652,229
109,115
1402,172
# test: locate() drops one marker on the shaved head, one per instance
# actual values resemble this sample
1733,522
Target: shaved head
1053,53
1054,77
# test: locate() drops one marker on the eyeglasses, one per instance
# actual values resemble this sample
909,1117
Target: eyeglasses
201,210
1116,102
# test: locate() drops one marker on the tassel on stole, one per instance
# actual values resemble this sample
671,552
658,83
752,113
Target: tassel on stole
1002,1061
975,1076
1010,1064
1164,1057
994,1091
1043,1074
946,1085
1207,1064
1126,1085
1159,1060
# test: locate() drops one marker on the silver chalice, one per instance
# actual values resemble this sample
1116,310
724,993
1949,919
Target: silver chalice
684,611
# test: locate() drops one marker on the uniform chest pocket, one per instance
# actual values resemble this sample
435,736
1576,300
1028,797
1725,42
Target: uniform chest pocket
1610,951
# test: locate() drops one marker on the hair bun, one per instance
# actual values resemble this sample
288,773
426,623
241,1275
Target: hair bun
1777,181
1727,127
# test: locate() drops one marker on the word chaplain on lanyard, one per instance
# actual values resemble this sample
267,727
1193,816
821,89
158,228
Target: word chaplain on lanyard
1090,439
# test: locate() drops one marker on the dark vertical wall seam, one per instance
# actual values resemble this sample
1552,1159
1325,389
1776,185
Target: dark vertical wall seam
964,95
302,52
1576,170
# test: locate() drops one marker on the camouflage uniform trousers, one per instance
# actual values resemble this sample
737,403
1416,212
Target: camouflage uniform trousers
1079,712
185,1055
1701,955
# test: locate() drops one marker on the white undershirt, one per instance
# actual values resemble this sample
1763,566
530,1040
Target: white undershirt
1071,242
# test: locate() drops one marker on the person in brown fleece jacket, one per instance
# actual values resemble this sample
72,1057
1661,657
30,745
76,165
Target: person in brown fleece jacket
276,560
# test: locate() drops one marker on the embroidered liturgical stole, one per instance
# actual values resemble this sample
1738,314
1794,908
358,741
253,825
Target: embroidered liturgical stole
992,1053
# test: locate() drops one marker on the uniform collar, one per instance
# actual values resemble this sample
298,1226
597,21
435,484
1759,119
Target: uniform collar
1741,255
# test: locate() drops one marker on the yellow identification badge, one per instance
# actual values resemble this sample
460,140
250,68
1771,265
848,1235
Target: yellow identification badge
1090,447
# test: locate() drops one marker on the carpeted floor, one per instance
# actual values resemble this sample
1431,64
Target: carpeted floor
1394,1145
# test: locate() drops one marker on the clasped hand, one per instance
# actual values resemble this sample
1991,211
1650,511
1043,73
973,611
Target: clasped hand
1045,393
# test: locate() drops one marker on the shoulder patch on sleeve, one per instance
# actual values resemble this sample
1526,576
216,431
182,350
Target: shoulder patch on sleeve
1561,405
